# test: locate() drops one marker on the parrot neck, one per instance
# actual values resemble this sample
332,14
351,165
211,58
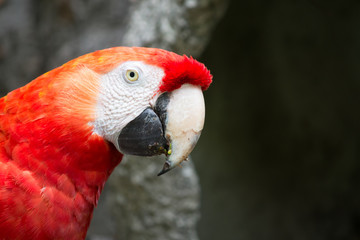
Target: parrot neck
70,171
61,163
71,152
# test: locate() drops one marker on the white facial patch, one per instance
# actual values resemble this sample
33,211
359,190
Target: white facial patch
121,100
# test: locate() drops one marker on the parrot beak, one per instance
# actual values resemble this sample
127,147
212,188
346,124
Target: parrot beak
172,127
185,121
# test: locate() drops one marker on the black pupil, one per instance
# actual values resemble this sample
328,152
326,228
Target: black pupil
132,74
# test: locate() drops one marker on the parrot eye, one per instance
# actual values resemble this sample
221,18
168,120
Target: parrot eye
132,75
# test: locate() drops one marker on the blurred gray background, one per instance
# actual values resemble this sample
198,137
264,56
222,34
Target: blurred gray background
279,155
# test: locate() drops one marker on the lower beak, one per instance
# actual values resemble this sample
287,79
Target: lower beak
172,127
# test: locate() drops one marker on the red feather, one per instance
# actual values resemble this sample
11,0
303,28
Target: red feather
185,70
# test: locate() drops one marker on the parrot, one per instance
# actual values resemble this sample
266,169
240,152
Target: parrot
62,134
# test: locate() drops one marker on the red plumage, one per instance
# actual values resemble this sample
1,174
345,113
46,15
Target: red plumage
185,70
52,166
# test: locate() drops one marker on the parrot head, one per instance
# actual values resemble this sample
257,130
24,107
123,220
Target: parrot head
62,134
144,101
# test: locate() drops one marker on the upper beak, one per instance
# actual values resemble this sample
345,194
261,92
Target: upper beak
172,127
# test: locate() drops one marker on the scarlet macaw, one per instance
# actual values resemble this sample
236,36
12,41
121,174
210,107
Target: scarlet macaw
62,135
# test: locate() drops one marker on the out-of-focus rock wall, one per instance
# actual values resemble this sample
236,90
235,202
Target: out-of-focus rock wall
39,35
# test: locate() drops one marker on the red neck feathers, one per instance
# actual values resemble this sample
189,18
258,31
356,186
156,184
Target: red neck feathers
52,167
